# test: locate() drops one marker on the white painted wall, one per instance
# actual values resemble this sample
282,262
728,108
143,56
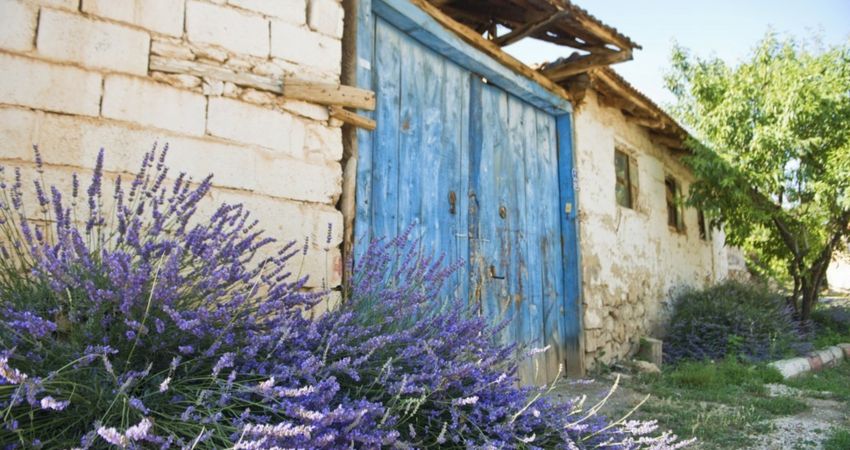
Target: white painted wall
632,262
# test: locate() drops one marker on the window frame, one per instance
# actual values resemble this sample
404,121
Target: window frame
702,225
674,210
628,183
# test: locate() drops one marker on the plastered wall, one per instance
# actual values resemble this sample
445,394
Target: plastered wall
632,261
78,75
838,272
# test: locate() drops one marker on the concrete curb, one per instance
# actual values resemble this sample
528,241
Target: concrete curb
813,362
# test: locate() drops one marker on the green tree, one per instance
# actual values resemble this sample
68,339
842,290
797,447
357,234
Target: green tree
772,154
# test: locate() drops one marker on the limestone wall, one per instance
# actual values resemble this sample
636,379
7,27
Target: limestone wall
77,75
632,261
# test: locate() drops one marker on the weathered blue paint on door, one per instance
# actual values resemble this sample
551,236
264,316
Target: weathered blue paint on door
418,153
478,171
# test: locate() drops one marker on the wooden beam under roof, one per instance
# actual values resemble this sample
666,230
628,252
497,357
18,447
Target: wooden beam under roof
529,28
510,14
488,47
614,87
654,122
614,91
571,66
610,100
466,16
666,140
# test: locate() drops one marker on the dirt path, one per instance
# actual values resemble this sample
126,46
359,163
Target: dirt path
806,430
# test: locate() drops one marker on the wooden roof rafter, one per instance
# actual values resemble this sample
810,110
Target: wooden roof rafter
612,84
556,21
575,64
475,38
529,28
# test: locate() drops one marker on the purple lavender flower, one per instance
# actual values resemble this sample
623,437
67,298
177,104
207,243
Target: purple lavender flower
137,404
51,403
113,436
75,185
140,431
10,375
281,430
39,163
224,362
29,323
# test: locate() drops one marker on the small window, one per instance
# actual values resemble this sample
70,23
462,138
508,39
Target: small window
703,230
674,210
625,186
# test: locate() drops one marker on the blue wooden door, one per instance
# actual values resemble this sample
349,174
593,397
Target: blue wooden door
476,170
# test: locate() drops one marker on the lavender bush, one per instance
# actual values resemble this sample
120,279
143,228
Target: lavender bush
831,322
140,325
732,319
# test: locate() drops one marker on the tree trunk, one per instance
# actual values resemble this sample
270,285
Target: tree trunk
811,286
794,300
808,300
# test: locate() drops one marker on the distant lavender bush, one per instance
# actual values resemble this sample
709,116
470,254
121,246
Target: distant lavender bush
141,325
732,319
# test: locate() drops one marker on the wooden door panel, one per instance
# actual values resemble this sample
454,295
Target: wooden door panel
385,153
547,209
490,242
420,148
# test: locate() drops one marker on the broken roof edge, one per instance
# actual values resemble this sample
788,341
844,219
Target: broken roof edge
663,128
591,42
581,12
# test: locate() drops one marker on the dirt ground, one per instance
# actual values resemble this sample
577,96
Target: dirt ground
623,400
805,430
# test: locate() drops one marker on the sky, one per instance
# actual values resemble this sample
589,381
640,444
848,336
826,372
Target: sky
728,29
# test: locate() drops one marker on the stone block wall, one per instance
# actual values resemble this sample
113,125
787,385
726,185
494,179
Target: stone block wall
633,263
78,75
